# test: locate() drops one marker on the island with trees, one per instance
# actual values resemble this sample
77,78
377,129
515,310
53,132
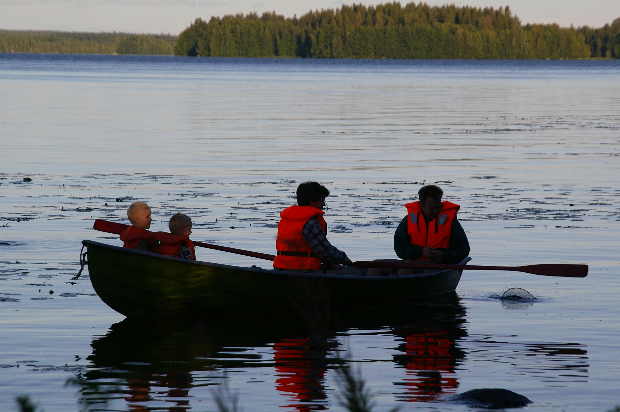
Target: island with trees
395,31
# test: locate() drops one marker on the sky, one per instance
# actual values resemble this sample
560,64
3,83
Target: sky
172,16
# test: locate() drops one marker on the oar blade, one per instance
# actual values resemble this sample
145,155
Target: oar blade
109,227
562,270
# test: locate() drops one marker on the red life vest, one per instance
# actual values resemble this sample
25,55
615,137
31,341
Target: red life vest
158,242
294,253
434,234
136,238
174,247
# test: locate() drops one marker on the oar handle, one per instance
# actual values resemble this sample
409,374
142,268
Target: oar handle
258,255
562,270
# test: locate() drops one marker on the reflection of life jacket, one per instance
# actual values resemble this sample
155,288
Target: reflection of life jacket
430,357
136,238
294,253
434,234
178,383
138,392
299,372
430,351
182,248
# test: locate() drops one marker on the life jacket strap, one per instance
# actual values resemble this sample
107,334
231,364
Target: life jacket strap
302,254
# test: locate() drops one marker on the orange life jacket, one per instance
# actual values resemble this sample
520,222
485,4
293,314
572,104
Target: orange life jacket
294,253
174,247
136,238
434,234
158,242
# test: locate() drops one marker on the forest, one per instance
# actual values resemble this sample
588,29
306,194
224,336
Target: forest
390,31
396,31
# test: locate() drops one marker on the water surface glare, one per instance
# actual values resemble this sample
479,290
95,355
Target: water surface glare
531,151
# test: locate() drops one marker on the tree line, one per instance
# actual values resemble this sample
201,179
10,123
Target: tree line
603,42
12,41
393,30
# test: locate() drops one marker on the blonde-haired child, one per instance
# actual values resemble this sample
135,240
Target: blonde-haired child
137,235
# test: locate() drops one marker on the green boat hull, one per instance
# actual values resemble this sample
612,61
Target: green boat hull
138,284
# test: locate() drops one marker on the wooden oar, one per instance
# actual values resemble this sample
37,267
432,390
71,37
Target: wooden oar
564,270
117,228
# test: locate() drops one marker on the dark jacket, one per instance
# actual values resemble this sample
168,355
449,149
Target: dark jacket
458,250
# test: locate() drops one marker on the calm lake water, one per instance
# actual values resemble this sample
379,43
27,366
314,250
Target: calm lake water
531,150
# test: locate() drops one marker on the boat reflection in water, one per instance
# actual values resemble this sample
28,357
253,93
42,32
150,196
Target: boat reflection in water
429,352
152,365
164,365
284,363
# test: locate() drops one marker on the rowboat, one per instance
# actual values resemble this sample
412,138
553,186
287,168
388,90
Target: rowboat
143,284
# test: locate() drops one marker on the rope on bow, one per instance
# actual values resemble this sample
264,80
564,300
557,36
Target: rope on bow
83,263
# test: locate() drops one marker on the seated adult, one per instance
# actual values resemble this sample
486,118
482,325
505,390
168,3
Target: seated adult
301,242
431,231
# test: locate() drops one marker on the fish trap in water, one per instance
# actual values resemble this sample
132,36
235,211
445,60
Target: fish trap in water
518,295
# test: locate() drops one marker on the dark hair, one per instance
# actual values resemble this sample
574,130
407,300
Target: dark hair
310,192
178,222
430,191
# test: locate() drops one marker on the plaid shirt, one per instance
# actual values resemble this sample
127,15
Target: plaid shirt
314,235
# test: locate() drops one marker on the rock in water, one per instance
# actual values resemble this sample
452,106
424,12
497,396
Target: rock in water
492,399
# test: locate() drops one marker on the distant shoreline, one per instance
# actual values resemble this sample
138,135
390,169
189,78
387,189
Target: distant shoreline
388,31
57,42
316,59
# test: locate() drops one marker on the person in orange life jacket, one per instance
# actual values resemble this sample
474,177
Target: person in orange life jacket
181,226
431,231
137,235
301,242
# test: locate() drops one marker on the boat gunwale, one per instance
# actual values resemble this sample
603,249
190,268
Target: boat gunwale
288,273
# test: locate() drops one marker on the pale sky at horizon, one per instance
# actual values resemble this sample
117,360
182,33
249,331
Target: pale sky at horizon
172,16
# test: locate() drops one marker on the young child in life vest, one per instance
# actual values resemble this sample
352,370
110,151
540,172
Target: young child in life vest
137,235
181,226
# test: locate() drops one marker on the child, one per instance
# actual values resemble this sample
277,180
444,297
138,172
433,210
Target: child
181,226
137,235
